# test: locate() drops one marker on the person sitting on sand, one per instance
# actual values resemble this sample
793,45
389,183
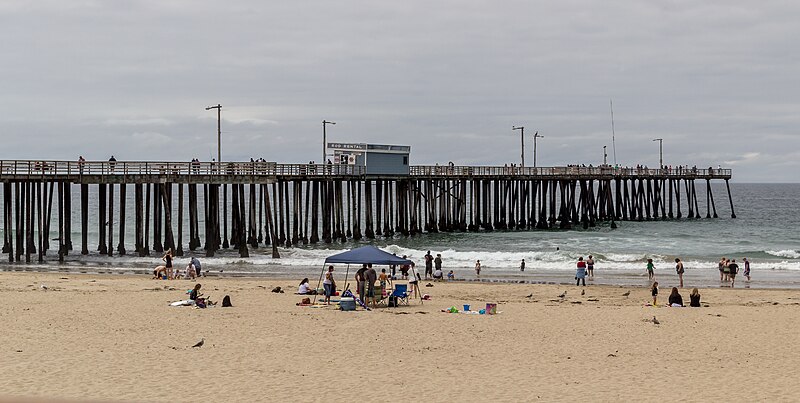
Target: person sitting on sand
675,299
159,272
438,275
305,289
195,293
451,276
694,298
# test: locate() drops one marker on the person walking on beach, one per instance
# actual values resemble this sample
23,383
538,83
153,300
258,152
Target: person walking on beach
329,285
651,269
438,261
522,265
428,265
721,265
590,266
746,269
733,268
361,282
726,271
478,268
580,273
654,293
679,269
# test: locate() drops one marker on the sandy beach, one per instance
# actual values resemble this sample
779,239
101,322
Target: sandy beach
114,337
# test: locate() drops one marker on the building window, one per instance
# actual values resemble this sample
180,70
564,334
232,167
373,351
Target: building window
405,160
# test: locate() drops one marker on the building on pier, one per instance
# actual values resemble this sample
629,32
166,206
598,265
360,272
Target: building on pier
378,159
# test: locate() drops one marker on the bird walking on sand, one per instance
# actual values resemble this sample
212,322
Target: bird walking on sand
529,295
583,292
564,295
655,321
199,343
626,294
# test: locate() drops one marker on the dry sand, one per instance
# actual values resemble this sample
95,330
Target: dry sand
112,337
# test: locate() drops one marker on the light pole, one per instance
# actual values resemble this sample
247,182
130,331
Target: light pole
605,156
660,152
535,136
325,123
218,107
522,143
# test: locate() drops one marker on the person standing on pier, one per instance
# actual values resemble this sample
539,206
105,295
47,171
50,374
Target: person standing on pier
428,264
679,269
112,163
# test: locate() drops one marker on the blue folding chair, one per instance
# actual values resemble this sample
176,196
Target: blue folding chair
400,292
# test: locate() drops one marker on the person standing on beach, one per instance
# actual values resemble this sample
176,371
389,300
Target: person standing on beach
651,269
726,270
721,265
168,260
478,268
679,269
371,276
522,265
746,269
590,266
654,293
329,285
196,264
361,281
437,262
733,268
428,265
580,273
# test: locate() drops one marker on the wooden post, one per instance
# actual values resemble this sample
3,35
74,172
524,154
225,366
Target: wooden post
123,190
224,216
179,245
110,219
67,217
146,245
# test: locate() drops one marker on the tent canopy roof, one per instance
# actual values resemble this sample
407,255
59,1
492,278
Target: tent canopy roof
365,255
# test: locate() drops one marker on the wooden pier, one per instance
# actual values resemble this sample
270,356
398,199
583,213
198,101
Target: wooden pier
265,204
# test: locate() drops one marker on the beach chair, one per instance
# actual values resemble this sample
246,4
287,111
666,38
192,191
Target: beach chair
379,298
401,293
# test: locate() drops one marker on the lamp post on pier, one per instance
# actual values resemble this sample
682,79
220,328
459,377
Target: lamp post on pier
605,156
535,136
522,144
660,152
218,107
325,123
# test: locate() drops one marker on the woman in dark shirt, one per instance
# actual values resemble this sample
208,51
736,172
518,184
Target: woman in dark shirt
195,292
694,298
675,298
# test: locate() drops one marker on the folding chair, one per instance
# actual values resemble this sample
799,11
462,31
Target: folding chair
401,293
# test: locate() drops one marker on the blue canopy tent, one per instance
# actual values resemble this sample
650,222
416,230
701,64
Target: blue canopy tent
364,255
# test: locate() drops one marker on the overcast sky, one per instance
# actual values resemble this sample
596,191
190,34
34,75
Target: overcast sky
719,81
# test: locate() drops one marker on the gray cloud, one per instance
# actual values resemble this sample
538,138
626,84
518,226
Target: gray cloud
716,80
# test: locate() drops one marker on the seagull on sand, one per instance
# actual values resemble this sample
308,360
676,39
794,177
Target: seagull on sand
626,294
199,343
583,292
564,295
529,295
655,321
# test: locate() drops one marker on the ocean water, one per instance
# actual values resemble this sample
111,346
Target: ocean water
765,231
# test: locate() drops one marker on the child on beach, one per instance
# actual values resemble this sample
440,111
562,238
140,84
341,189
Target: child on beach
650,269
478,268
451,276
654,292
383,278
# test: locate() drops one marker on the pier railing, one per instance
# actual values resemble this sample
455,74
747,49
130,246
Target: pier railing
30,168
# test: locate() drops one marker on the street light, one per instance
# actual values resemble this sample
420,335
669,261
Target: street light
325,139
218,107
522,143
660,152
535,136
605,156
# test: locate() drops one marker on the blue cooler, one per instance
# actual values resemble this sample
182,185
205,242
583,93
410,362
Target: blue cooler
347,304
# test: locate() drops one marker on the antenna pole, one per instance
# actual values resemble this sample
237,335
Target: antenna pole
613,134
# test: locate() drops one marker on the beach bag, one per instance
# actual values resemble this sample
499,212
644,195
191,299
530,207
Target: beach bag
226,302
306,301
392,301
